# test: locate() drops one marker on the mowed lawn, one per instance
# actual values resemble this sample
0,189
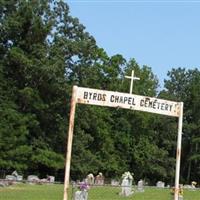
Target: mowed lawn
55,192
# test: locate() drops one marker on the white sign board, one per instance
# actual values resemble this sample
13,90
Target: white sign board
127,101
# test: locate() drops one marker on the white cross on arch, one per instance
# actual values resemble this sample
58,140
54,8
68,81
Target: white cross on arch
132,77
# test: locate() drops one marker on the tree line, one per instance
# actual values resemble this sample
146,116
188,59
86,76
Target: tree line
44,51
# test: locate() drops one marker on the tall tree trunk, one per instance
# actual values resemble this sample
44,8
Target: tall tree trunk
189,171
189,166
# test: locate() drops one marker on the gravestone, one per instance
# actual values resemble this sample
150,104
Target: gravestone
81,195
140,186
99,179
10,178
90,179
51,179
18,177
160,184
114,182
193,185
126,185
14,177
33,179
187,187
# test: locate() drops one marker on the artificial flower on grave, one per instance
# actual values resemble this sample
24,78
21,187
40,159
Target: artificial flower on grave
180,191
83,186
127,175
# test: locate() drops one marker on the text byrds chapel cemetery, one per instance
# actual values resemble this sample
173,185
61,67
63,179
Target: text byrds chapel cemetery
129,101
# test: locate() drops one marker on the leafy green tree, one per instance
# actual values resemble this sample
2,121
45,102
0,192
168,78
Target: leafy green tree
40,44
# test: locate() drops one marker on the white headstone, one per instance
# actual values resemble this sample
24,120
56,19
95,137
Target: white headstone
193,184
17,176
81,195
127,184
90,179
126,189
10,178
140,186
51,179
33,178
160,184
114,182
99,179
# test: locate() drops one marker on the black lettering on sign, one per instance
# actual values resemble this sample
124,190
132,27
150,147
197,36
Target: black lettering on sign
170,107
125,99
85,95
158,105
162,106
150,104
142,102
99,97
90,95
104,97
154,104
112,98
94,96
133,101
122,100
116,99
129,100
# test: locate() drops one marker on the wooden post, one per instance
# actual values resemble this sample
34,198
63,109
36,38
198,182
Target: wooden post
178,152
69,143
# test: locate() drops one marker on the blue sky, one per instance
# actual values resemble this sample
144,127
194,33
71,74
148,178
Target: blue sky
160,34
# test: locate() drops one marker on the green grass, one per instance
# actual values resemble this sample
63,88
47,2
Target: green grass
31,192
55,192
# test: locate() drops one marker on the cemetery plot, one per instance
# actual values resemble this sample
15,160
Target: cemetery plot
106,192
